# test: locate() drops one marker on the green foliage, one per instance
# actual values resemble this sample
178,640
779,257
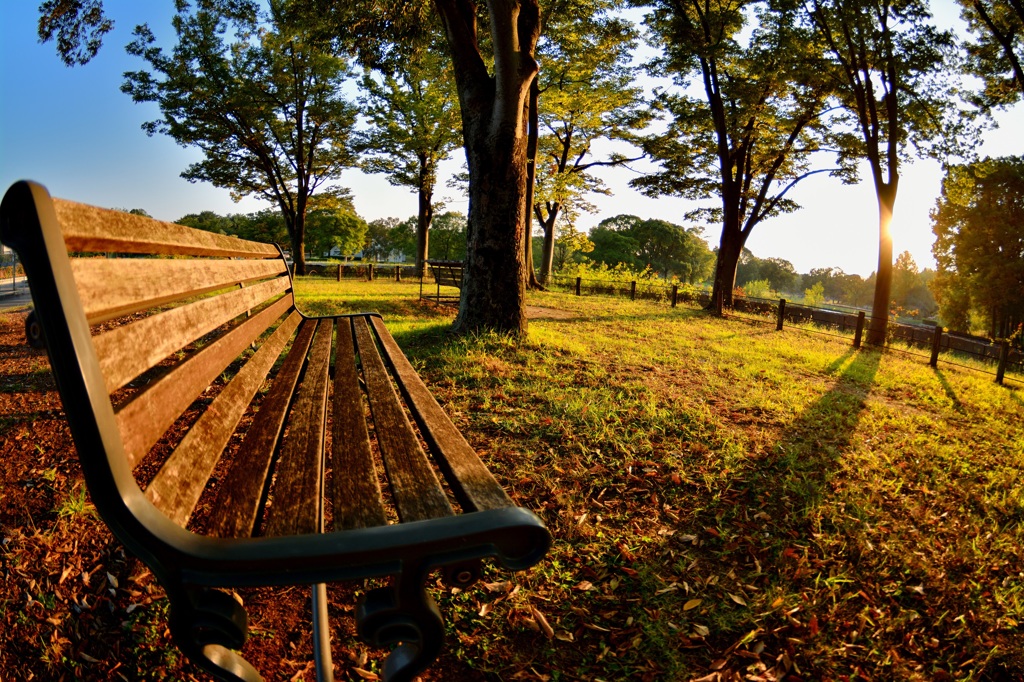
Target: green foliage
759,288
587,93
266,225
995,55
260,98
979,247
568,244
657,244
815,295
386,237
448,236
340,229
79,26
778,272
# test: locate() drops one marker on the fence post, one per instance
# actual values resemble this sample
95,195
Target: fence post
782,315
936,345
1004,357
398,273
579,281
369,272
860,330
675,294
632,290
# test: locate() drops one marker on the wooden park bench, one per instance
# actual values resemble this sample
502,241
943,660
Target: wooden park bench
179,353
447,273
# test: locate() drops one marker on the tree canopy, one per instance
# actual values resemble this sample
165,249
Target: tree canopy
662,246
746,140
413,117
997,53
260,99
979,248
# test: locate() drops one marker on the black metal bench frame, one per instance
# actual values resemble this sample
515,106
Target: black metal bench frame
446,273
206,622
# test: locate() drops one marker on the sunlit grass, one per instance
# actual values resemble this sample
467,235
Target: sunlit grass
724,496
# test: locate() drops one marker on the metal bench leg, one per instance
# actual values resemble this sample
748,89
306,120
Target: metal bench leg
206,625
322,635
406,615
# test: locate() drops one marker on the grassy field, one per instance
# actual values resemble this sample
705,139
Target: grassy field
728,501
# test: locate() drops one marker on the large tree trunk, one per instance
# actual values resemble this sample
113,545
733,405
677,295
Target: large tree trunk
730,247
424,218
295,224
883,280
494,134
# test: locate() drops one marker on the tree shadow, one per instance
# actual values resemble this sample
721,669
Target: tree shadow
950,393
811,445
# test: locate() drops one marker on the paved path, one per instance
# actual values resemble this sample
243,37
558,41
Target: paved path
14,298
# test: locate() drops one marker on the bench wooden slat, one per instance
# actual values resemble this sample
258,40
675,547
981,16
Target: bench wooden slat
357,496
473,484
417,492
145,418
237,505
128,351
88,229
178,485
299,480
112,287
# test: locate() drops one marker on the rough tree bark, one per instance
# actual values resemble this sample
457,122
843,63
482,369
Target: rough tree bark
495,136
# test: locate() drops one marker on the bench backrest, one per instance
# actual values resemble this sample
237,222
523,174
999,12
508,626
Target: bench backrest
446,273
142,318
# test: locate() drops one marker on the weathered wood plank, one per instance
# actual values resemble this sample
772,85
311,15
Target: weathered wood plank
237,505
296,506
357,496
176,488
414,486
473,484
91,229
111,287
128,351
145,418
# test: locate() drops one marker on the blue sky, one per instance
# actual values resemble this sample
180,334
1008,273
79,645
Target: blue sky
74,131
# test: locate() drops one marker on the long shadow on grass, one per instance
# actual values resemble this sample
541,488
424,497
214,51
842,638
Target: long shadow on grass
950,393
823,433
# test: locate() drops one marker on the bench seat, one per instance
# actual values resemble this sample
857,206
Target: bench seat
229,440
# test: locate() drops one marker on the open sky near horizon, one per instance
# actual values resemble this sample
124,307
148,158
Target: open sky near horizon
74,131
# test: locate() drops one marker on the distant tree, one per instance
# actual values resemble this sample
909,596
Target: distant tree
449,242
388,236
747,138
339,228
891,70
996,56
570,241
587,92
779,273
666,248
979,246
814,295
209,221
258,96
413,114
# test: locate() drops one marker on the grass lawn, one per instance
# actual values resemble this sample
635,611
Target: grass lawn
728,501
